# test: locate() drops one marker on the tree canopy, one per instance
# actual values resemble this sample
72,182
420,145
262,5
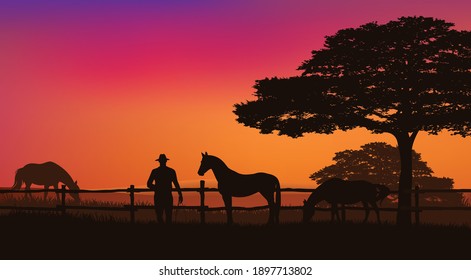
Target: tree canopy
408,75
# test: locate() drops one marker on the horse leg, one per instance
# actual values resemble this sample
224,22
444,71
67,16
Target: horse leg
46,189
367,211
27,188
56,188
271,207
228,204
334,212
375,207
343,213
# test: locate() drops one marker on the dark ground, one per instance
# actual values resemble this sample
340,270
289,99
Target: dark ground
34,236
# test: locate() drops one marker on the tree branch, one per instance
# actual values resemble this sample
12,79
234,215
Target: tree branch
413,135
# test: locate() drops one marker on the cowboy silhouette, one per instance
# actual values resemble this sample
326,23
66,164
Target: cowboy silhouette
164,176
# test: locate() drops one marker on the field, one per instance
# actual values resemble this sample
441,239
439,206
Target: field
92,234
257,217
49,236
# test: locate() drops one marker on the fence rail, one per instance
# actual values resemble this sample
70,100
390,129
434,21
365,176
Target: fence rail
203,208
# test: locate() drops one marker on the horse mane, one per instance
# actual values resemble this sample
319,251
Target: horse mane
67,178
217,159
312,197
221,163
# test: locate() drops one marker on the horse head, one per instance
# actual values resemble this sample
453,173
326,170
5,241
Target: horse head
308,211
74,195
382,193
205,164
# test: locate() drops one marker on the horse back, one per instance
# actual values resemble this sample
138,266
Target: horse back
349,192
360,191
48,173
248,184
260,179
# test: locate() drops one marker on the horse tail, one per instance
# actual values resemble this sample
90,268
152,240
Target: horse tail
18,179
382,193
277,200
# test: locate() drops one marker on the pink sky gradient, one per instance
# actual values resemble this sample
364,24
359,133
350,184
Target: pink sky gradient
103,89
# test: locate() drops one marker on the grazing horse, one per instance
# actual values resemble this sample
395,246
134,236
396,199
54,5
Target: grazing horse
231,183
337,191
47,174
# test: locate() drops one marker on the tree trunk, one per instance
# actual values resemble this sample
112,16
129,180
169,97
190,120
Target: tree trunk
405,143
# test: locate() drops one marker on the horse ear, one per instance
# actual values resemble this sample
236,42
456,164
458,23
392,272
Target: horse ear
206,153
202,154
75,182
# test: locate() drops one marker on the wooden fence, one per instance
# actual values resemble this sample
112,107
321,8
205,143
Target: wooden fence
203,208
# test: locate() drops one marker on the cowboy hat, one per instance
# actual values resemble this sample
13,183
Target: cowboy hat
162,157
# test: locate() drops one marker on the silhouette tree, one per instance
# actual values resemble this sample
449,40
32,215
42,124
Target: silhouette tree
379,163
408,75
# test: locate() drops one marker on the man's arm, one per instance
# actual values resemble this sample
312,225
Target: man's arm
150,181
177,186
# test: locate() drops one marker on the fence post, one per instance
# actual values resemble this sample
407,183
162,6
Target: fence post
63,199
202,209
131,206
417,210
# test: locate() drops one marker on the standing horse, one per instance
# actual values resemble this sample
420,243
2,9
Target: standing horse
337,191
231,183
47,174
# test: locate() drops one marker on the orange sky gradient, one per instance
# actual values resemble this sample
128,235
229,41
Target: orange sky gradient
103,91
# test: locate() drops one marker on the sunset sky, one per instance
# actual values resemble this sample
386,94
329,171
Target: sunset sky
103,87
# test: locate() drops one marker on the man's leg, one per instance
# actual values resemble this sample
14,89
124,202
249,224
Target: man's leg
158,209
168,214
159,212
168,208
